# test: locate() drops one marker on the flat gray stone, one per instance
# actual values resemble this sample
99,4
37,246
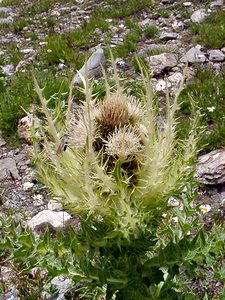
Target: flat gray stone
7,20
166,36
8,169
162,62
210,168
5,9
194,55
198,16
94,66
55,220
216,55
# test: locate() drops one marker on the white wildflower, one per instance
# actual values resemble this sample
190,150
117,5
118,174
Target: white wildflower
27,185
211,109
204,208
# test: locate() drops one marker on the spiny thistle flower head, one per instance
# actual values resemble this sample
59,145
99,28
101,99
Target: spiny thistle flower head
118,109
79,127
123,143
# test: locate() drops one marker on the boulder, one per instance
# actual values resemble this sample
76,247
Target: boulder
194,55
94,66
211,167
47,218
198,16
162,62
8,169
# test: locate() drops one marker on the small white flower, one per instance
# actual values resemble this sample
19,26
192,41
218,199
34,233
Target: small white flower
175,219
211,109
38,197
49,50
27,185
204,208
173,201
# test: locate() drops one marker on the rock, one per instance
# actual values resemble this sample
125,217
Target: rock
94,65
211,167
7,20
163,48
24,127
178,25
55,220
216,3
6,9
8,69
2,141
194,55
216,55
198,16
146,22
12,295
162,62
166,36
8,169
168,1
54,205
62,284
176,78
187,4
161,86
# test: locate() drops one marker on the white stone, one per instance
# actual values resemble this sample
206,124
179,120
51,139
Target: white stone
146,22
161,86
178,25
27,50
56,219
7,20
176,78
216,3
198,16
2,141
8,69
166,36
187,4
54,205
194,55
216,55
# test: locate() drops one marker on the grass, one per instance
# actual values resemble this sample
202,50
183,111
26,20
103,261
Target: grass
207,91
211,32
121,9
16,97
150,31
19,25
10,2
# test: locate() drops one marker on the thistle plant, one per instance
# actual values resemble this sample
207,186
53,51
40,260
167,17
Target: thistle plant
116,168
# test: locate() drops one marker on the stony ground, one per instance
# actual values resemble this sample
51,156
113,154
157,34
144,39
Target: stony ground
24,28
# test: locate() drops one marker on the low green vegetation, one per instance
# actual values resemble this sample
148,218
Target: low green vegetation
206,92
14,99
121,9
211,32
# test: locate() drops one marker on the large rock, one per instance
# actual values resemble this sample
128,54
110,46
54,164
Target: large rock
211,167
194,55
162,62
47,218
216,55
8,169
198,16
94,66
